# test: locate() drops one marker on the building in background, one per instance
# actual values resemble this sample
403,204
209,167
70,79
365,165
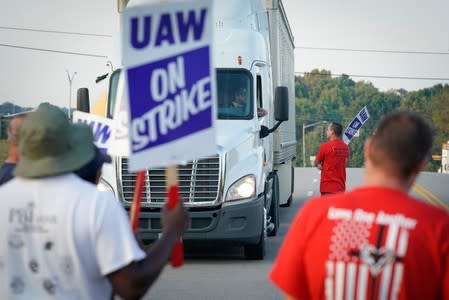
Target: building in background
445,158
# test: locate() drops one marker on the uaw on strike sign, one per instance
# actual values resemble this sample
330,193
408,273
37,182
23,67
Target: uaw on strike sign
170,82
101,128
355,125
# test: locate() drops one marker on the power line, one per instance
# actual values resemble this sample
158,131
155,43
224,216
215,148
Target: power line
298,47
56,31
54,51
372,50
376,76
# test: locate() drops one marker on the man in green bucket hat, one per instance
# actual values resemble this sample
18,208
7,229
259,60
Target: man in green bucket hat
63,238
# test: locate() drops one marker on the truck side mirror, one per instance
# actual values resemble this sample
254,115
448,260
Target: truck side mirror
280,110
281,103
82,100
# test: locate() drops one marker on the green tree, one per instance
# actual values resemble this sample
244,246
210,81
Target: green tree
433,103
321,97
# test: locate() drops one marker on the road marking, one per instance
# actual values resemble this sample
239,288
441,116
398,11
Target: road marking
309,193
417,189
315,180
429,196
434,198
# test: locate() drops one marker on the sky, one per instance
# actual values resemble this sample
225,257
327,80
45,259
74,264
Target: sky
394,38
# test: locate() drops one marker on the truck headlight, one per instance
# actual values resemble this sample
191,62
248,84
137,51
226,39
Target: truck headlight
243,188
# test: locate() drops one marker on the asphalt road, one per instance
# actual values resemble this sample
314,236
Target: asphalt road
223,273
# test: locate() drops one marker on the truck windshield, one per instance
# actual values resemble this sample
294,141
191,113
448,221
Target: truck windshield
234,91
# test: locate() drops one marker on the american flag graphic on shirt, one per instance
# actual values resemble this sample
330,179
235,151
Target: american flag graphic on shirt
357,267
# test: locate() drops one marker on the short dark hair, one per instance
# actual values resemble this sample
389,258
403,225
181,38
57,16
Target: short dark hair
336,128
402,139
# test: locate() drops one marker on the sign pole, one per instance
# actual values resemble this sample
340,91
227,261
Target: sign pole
173,198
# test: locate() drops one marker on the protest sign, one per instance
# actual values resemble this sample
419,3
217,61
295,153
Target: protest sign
101,128
170,83
355,125
170,86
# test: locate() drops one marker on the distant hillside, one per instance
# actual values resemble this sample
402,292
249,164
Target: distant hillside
7,108
10,108
320,96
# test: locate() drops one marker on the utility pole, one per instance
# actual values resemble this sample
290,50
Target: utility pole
304,126
70,77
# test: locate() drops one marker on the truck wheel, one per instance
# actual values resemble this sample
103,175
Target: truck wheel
274,208
257,251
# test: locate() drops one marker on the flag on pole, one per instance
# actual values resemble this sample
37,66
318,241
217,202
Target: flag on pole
355,125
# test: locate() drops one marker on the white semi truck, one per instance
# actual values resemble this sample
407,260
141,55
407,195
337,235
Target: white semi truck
233,196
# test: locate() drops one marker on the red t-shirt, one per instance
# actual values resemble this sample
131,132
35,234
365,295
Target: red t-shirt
370,243
333,156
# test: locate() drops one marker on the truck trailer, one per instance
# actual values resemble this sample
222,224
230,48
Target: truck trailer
234,196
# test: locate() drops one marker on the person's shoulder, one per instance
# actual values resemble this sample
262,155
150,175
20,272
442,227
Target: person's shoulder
317,209
322,203
7,167
6,170
330,200
402,201
338,141
68,179
106,200
325,145
68,183
426,209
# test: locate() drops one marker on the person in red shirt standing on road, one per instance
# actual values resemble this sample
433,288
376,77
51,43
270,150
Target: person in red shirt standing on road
376,241
331,160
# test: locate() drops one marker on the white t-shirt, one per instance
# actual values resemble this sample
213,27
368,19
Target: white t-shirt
59,237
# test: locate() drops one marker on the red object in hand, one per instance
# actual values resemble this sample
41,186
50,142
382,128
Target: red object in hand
135,206
177,255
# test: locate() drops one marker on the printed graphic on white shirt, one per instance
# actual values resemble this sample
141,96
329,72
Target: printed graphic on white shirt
360,269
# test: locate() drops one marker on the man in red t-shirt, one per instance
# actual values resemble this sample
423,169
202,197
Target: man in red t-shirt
331,160
375,242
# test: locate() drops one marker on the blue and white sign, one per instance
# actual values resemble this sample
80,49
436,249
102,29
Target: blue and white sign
101,128
355,125
170,82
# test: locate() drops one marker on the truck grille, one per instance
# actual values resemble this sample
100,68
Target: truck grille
198,183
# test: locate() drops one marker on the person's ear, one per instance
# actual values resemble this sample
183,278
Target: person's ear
367,149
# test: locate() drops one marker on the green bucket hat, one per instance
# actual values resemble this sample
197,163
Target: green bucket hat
51,145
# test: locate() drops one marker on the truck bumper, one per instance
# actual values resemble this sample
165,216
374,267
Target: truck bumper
235,224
